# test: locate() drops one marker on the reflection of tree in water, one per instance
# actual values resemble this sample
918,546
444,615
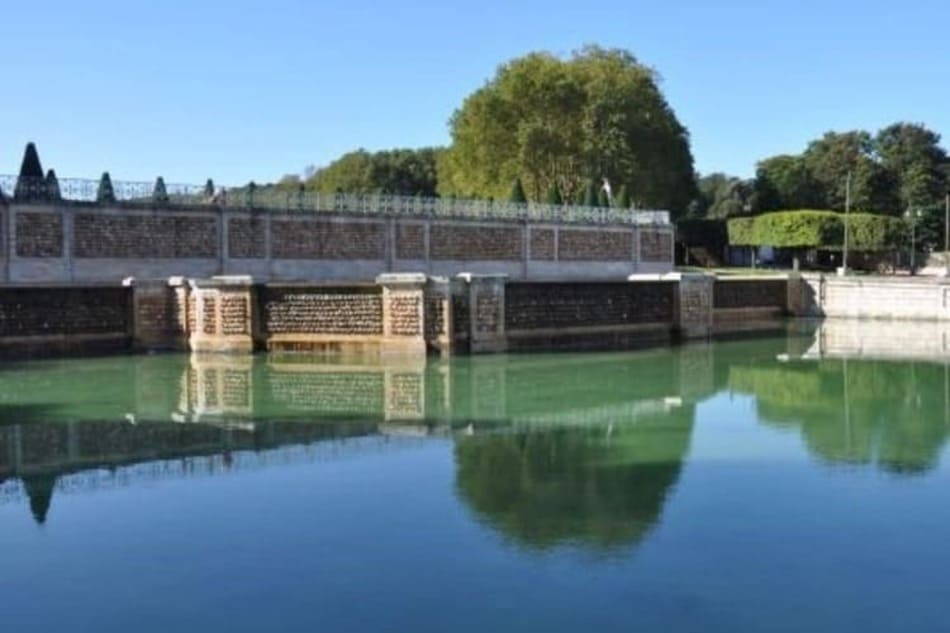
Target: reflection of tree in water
589,485
39,489
861,412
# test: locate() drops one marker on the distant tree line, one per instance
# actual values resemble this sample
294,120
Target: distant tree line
903,166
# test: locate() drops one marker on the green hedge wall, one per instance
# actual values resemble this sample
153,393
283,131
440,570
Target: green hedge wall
817,229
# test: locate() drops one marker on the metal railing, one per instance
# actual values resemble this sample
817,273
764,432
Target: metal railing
281,199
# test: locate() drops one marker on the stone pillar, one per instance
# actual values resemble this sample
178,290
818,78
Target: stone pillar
405,392
486,302
159,314
440,313
403,313
223,314
693,304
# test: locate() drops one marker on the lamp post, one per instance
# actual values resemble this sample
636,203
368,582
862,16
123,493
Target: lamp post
946,235
847,210
913,215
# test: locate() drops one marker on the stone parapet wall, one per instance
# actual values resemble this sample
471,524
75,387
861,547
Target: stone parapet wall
321,310
401,313
757,292
874,297
86,242
543,305
58,320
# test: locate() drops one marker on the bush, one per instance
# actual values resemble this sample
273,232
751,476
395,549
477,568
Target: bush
741,232
817,229
30,185
105,194
52,186
160,193
517,193
554,196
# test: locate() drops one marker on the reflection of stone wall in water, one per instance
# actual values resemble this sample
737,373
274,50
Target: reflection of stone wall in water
598,486
893,415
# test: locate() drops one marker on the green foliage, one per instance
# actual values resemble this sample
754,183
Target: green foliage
785,182
603,200
900,167
105,193
817,229
209,189
398,171
30,185
741,232
160,193
722,196
553,121
868,232
623,198
590,195
52,186
517,192
554,196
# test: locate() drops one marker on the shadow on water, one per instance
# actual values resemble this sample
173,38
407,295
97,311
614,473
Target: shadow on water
549,450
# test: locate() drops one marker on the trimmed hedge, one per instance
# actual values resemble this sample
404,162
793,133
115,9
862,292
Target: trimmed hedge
817,229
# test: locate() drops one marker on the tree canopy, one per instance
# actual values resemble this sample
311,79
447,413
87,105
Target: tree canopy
563,122
399,171
901,166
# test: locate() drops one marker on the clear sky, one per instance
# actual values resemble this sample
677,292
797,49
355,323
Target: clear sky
253,90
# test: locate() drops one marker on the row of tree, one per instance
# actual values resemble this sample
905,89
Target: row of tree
900,167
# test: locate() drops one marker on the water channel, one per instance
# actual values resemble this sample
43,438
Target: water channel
790,483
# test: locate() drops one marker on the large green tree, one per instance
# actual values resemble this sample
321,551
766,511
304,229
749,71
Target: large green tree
912,154
832,157
398,171
786,182
563,122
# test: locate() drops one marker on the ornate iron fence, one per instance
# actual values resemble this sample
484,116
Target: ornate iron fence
274,198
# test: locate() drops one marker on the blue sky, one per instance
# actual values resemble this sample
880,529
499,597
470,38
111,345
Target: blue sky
253,90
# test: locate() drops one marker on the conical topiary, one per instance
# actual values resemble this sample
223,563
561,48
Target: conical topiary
590,194
517,193
554,196
52,186
603,200
623,198
209,189
30,186
160,193
105,194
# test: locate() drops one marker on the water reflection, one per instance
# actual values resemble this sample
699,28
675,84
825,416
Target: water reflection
600,486
549,450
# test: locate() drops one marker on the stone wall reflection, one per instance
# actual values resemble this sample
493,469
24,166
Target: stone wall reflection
66,418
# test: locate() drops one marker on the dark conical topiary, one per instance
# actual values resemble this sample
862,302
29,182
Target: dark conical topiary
554,196
160,193
517,193
623,198
52,186
603,200
105,194
590,194
30,185
209,189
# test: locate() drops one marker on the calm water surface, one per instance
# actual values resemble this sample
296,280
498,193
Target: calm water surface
769,485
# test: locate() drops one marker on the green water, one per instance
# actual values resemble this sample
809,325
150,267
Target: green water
767,485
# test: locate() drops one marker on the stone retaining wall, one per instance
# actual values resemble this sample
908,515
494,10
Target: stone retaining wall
85,242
